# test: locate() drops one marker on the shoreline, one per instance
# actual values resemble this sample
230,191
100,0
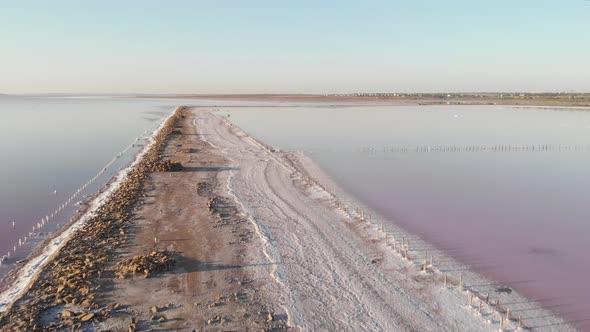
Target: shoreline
303,256
79,212
378,233
29,274
475,283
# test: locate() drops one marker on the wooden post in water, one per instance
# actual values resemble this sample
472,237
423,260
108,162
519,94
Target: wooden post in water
487,298
479,310
431,261
445,280
425,264
519,321
470,300
508,314
502,323
461,281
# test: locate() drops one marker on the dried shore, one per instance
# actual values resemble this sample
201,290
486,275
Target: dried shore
576,101
215,231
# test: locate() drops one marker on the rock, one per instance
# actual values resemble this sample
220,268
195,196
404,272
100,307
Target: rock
67,313
156,261
162,319
154,309
87,317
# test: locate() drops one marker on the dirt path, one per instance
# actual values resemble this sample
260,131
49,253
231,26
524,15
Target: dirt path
220,273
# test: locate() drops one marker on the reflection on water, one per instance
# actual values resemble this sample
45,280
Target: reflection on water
506,189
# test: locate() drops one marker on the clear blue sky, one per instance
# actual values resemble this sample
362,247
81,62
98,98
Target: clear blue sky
222,46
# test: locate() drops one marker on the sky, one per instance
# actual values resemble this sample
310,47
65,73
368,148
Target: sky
321,46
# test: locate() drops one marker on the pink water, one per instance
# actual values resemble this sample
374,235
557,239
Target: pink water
515,208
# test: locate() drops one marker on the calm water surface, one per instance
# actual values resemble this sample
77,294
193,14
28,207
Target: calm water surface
504,189
50,147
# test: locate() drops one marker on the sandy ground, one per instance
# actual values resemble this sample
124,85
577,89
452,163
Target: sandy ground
220,276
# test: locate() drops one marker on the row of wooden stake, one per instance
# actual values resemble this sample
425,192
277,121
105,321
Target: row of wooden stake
37,227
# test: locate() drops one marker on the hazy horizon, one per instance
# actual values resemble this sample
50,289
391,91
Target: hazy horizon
220,94
195,47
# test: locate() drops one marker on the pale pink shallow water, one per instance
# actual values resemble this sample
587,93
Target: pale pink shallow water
520,216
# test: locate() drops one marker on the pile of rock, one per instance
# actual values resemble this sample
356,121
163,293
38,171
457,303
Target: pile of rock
75,316
156,261
167,166
189,150
225,210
